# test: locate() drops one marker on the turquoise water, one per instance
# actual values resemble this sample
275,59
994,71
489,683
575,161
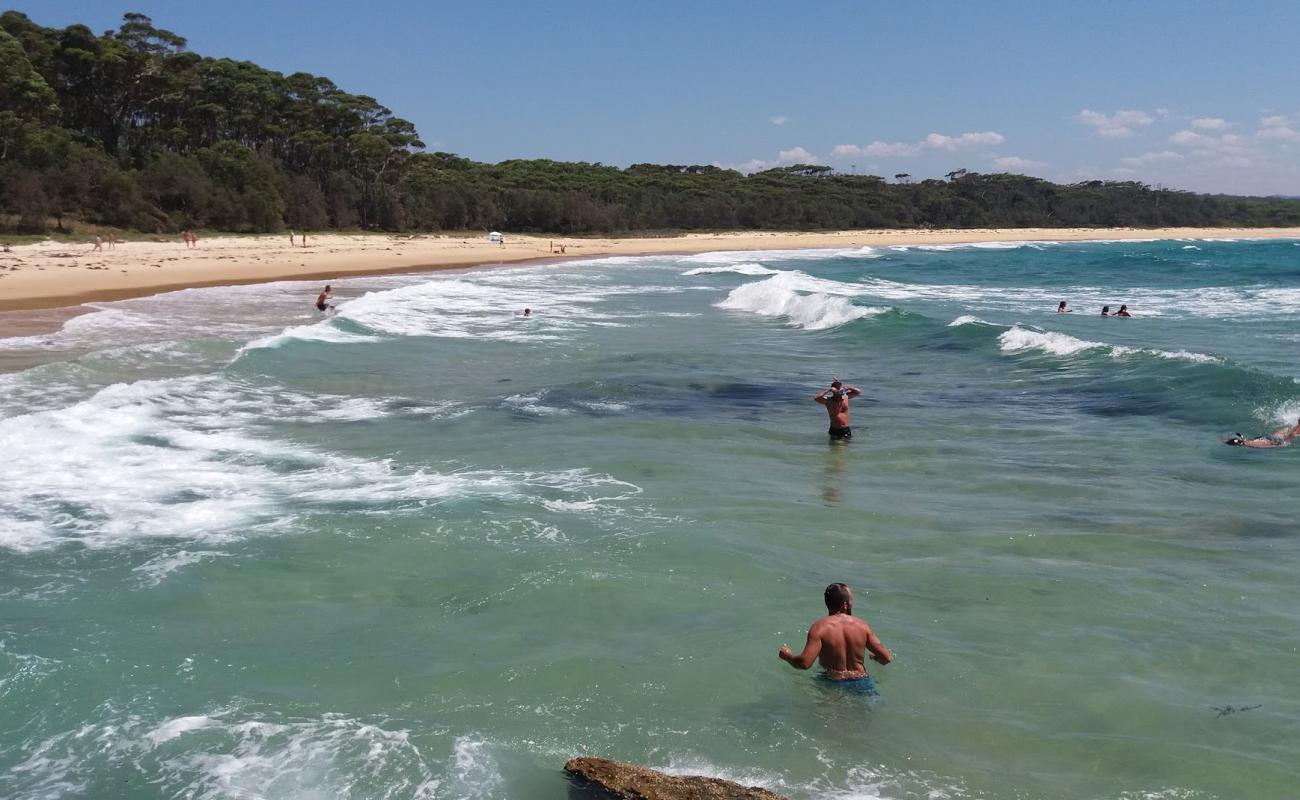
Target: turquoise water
428,548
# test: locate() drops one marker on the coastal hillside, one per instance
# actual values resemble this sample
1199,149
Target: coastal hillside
131,130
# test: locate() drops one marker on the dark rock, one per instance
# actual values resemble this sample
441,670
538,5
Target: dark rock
630,782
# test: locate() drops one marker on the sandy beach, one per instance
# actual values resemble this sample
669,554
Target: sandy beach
51,275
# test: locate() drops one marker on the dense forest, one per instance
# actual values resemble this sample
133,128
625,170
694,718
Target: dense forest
131,130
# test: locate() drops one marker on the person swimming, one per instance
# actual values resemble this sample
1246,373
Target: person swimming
1278,438
1123,311
1061,309
1105,311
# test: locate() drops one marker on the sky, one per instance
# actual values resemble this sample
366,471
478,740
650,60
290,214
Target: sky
1190,95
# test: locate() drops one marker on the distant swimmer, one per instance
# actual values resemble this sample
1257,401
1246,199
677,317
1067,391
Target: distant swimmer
839,642
836,400
1061,309
1123,312
321,305
1278,438
528,312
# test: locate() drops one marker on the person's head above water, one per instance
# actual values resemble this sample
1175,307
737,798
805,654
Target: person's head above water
835,383
1123,307
1061,307
327,287
527,311
839,598
1105,311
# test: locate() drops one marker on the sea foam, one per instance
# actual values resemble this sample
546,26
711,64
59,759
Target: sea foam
783,295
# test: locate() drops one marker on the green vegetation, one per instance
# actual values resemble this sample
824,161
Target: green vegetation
130,130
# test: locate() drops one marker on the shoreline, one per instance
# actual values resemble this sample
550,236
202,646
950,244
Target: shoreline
52,275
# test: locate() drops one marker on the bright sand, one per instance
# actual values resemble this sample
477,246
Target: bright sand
55,274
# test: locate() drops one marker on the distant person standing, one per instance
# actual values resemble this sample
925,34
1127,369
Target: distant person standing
303,237
99,244
321,304
1061,309
1123,311
836,401
839,641
291,238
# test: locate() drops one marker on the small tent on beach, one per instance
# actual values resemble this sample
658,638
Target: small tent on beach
494,236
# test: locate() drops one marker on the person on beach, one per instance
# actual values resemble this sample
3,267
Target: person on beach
836,400
1278,438
1123,311
291,238
321,305
839,642
1061,309
99,244
1105,311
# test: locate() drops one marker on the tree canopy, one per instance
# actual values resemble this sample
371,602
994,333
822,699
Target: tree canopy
130,129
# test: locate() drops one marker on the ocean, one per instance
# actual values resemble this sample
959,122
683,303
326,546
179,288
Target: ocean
428,548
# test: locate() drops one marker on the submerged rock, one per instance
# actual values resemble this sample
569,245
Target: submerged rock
630,782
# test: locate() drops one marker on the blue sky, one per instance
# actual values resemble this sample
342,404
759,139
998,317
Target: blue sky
1194,95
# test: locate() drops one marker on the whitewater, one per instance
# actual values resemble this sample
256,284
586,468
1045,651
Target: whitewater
426,547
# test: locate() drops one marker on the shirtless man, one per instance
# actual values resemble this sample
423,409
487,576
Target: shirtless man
836,400
839,641
321,305
1278,438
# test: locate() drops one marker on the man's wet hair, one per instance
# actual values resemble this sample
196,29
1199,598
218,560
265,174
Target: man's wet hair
836,595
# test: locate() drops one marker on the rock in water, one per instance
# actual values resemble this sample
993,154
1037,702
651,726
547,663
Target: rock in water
630,782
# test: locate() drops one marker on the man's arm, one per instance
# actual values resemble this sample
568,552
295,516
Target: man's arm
852,391
821,396
879,653
810,650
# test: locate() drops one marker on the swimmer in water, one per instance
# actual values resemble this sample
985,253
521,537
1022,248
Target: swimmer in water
321,305
1061,309
528,312
839,641
836,400
1105,311
1278,438
1123,311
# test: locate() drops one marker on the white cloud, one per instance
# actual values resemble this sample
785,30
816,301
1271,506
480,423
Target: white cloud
1117,125
1210,124
1274,122
778,120
891,149
1189,138
1016,162
1152,158
1279,133
797,155
933,141
937,141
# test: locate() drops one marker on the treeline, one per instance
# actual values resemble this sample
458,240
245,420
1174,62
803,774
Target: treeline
129,129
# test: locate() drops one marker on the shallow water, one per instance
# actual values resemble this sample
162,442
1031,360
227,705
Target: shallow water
428,548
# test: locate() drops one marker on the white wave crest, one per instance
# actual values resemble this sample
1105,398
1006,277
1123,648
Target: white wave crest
967,319
1017,339
162,459
739,269
1284,413
782,296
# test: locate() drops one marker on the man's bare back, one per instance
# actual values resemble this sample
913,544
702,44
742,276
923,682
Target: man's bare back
839,641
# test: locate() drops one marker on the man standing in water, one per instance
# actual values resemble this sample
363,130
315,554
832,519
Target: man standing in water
321,304
836,400
839,641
